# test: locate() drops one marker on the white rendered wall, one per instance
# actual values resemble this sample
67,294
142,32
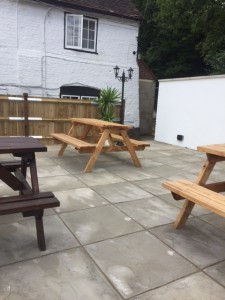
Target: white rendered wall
192,107
33,58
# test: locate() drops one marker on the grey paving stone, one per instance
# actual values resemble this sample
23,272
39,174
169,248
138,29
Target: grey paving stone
96,224
197,286
170,172
150,212
217,272
153,185
130,173
47,171
138,262
19,241
59,183
93,179
121,192
198,241
65,276
78,199
214,220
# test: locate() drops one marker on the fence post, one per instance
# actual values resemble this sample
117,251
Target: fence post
26,114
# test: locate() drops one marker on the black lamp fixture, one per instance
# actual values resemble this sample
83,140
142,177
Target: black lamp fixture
123,79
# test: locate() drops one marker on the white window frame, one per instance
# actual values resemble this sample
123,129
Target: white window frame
89,97
81,19
70,97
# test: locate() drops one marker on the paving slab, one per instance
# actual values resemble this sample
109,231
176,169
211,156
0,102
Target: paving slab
99,223
76,199
19,241
150,212
59,183
138,262
197,286
199,242
121,192
66,275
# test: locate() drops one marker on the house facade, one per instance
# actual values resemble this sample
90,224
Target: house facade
47,46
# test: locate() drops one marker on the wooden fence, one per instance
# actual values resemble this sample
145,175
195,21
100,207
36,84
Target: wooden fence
39,117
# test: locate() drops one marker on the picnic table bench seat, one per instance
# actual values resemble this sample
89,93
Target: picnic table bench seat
197,194
83,146
30,205
77,143
138,145
12,165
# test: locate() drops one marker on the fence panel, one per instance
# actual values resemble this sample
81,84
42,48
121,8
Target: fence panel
45,115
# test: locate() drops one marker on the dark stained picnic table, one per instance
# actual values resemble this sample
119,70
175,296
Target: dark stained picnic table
24,148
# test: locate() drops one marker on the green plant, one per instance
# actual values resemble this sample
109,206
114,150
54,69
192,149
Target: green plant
106,102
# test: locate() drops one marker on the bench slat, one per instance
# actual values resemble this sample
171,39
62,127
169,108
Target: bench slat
198,194
26,197
11,165
28,205
79,144
133,142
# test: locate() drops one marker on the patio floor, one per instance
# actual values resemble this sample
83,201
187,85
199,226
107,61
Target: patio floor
112,236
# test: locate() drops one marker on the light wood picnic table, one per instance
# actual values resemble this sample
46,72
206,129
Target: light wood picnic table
109,135
201,192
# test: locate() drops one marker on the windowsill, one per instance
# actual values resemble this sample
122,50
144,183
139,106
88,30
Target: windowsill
81,50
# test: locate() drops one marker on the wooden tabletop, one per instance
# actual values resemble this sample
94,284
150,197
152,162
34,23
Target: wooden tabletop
100,123
217,149
20,145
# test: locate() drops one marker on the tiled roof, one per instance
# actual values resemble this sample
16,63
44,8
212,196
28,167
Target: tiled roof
145,72
119,8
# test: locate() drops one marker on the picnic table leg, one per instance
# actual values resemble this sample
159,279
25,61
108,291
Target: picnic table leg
188,205
97,151
40,230
130,148
64,145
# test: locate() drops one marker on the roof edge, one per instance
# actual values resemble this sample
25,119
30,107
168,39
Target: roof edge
64,4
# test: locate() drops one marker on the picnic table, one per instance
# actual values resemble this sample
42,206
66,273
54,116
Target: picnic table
29,201
109,135
201,192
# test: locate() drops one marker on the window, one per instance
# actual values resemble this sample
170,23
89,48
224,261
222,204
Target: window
89,98
70,97
80,33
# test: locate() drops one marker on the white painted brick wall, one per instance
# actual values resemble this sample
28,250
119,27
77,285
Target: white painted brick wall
33,58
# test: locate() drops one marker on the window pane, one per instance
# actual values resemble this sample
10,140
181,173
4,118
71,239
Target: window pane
70,20
69,41
92,25
91,45
91,35
76,41
85,24
85,44
70,31
85,34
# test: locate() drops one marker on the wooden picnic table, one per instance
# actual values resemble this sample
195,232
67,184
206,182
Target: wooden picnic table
25,148
30,201
109,135
201,192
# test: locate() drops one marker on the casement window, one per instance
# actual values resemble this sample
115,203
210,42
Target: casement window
80,33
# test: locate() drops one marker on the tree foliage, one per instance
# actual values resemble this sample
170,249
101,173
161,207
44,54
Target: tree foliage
183,37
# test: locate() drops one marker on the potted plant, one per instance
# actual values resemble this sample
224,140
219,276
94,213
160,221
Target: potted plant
106,103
